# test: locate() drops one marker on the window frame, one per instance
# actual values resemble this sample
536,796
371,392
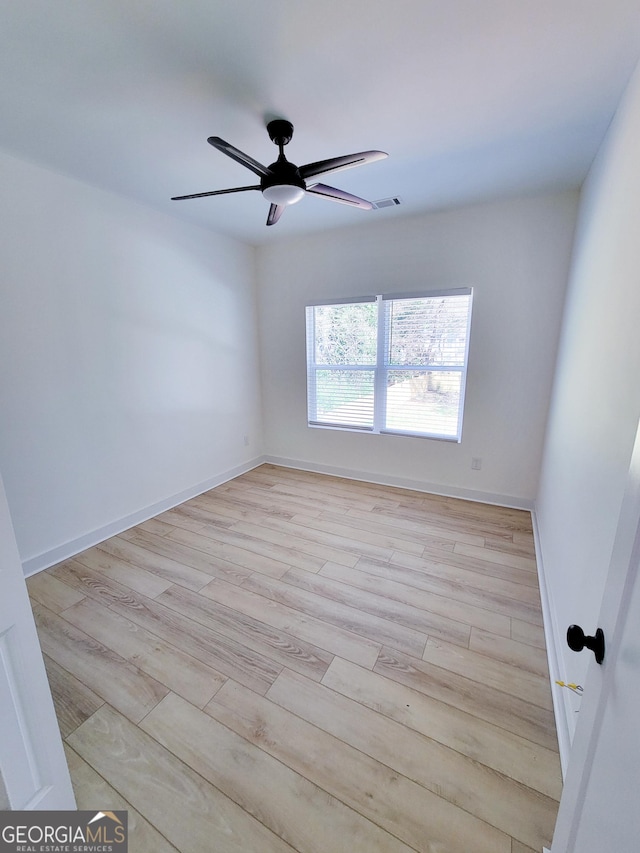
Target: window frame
382,367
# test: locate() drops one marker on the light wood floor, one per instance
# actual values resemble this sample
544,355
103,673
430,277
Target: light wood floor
300,662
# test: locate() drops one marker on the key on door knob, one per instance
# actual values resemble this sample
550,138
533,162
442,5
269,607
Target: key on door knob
577,640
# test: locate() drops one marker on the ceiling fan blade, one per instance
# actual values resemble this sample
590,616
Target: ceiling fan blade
215,192
275,212
341,196
238,156
337,164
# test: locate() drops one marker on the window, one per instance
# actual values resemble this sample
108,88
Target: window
390,364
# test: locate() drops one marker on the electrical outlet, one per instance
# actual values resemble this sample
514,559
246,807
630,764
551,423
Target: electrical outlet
246,441
476,463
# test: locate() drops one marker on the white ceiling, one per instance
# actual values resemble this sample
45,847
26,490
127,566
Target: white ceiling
470,98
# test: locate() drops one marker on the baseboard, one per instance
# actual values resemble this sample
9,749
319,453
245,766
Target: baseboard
553,639
404,483
69,549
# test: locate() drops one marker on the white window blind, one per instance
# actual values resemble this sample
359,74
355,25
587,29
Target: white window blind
390,364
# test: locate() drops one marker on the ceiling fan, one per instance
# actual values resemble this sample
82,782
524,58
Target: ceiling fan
282,183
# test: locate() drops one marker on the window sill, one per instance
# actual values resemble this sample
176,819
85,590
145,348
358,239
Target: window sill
370,431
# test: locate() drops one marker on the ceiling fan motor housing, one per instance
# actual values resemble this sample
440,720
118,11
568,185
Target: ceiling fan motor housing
282,172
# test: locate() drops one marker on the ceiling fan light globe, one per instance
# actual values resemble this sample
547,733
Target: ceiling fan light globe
283,194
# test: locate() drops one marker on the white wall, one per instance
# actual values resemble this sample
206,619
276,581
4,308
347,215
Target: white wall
596,399
515,254
128,345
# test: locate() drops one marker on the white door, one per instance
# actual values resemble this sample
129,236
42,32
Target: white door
33,769
600,805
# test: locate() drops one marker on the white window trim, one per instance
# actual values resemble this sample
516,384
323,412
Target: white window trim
381,369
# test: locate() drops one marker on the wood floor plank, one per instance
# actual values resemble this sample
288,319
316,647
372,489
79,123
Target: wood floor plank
350,618
168,664
416,816
525,632
232,553
335,640
126,534
471,786
445,520
213,566
309,482
106,673
307,540
206,517
371,533
325,497
323,485
178,519
154,525
274,644
212,512
409,537
93,792
452,518
508,712
360,541
52,592
320,485
493,556
321,553
506,518
241,494
516,847
280,551
124,572
91,583
190,812
480,668
171,570
73,700
223,654
481,574
438,604
262,785
457,590
322,534
236,510
458,508
397,530
510,651
529,763
523,547
395,611
524,538
495,571
419,529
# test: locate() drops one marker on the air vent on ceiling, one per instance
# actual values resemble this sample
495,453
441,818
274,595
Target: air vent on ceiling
386,202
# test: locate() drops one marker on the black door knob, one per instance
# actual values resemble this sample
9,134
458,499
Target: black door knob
577,640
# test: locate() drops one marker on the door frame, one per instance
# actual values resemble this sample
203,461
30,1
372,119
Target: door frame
32,760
